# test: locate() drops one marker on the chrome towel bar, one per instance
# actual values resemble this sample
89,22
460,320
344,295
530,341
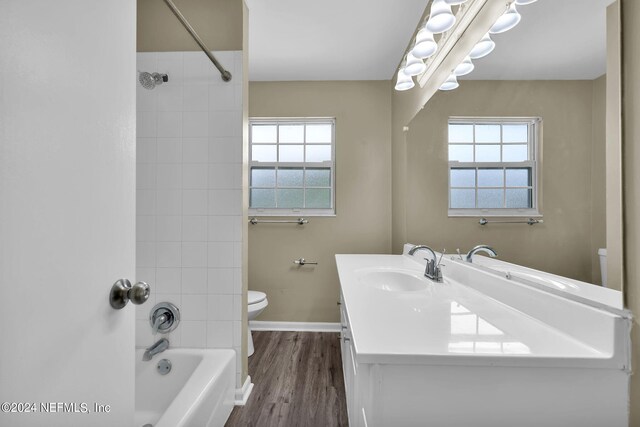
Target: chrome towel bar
299,221
530,221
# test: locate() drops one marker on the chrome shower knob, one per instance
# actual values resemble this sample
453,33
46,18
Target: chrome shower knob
164,318
122,292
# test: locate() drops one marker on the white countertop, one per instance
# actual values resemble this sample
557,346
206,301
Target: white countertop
587,292
447,323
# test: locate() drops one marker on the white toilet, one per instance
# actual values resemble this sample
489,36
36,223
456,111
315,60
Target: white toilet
602,254
257,303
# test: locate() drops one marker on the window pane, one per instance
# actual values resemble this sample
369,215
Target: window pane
289,177
461,153
518,177
292,134
318,153
290,198
261,134
460,133
487,133
490,177
320,133
263,177
463,177
318,177
487,153
515,133
520,198
461,199
291,153
515,153
490,199
263,198
318,198
263,153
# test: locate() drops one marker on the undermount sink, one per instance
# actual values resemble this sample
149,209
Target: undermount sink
393,280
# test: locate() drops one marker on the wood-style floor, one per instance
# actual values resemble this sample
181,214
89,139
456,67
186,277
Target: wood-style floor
298,382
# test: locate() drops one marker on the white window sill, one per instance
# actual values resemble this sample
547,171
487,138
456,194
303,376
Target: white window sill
298,214
477,213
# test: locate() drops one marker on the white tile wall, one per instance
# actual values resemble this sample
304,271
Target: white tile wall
189,198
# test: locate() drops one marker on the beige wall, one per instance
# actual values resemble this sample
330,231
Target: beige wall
217,22
631,168
615,231
363,197
598,175
563,244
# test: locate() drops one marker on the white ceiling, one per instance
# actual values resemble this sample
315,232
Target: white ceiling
555,40
364,40
329,39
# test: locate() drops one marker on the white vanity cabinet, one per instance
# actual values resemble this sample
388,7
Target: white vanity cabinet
349,365
476,350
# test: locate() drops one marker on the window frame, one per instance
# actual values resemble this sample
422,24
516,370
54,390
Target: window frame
294,212
535,163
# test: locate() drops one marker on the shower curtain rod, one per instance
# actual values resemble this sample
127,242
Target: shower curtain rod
226,75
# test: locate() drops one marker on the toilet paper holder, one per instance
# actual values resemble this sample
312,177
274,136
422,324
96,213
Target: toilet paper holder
302,261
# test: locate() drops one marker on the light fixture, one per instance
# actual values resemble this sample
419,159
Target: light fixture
464,68
507,21
523,2
441,18
425,44
456,2
483,48
404,81
414,65
450,84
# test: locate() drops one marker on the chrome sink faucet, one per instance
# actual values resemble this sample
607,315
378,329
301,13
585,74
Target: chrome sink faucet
156,348
481,248
432,270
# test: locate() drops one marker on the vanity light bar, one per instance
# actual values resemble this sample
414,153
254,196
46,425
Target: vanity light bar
442,19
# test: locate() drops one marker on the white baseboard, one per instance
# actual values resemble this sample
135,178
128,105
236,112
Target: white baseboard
259,325
242,394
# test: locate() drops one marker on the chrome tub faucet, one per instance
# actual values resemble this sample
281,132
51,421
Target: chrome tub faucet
156,348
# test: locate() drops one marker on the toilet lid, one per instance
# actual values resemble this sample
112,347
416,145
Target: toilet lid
255,297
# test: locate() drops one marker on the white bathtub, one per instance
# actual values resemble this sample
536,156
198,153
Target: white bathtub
197,392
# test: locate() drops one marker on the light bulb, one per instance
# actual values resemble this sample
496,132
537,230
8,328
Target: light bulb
441,18
507,21
404,81
483,48
425,44
523,2
414,65
450,84
464,68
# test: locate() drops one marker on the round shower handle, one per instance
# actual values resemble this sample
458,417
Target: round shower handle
164,318
122,292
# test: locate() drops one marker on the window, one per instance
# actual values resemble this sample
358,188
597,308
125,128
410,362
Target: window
292,166
493,166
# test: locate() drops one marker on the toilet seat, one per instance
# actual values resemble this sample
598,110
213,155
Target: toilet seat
254,297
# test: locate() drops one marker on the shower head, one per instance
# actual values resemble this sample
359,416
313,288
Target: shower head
151,80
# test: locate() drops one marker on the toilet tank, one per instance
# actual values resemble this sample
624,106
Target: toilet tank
602,254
